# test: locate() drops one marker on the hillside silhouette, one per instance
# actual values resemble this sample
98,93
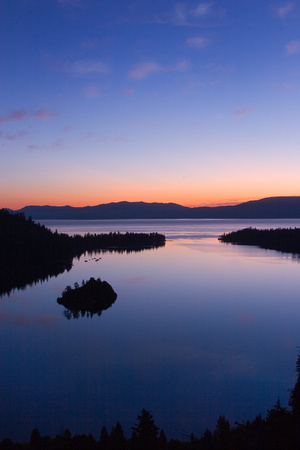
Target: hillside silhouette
266,208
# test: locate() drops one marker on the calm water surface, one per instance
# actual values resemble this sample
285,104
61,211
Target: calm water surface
199,329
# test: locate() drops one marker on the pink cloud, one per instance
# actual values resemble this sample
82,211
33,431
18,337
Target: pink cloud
92,91
43,114
68,128
89,43
16,136
186,15
128,92
23,114
33,147
14,116
182,65
57,144
243,112
197,42
293,47
143,70
181,13
284,11
202,10
121,138
87,136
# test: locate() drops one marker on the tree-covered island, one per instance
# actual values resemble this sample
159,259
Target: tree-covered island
285,240
30,252
92,297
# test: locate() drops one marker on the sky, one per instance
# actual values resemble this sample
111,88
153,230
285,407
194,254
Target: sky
190,102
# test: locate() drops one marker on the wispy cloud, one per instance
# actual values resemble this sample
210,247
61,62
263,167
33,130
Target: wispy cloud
77,68
43,114
57,145
23,114
202,9
243,112
292,47
92,91
89,43
128,92
34,147
87,67
16,136
143,70
197,42
68,128
187,14
284,11
121,138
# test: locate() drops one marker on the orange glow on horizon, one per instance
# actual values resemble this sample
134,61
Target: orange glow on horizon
92,194
37,201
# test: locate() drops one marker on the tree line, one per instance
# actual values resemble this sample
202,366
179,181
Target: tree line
280,430
285,240
30,252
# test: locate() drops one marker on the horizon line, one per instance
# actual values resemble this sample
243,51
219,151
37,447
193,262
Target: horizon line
207,204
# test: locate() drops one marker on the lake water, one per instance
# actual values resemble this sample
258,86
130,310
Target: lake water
199,329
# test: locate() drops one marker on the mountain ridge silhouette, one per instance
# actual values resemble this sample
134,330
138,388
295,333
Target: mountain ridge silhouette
265,208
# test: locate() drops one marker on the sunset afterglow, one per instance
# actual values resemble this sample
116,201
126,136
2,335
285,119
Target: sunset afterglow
195,103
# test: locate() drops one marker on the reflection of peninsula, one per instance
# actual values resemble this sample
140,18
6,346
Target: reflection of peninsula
29,252
92,297
280,239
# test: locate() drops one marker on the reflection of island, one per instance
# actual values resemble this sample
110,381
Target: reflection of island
92,297
285,240
29,252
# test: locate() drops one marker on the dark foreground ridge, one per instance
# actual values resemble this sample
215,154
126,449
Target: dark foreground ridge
30,252
285,240
92,297
266,208
279,431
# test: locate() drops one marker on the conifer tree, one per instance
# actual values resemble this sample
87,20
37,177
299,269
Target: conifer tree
146,431
295,394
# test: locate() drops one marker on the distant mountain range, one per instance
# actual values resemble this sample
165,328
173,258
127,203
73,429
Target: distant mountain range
266,208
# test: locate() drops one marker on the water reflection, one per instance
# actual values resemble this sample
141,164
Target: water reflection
20,277
199,329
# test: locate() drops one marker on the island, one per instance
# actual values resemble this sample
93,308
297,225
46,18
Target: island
92,297
286,240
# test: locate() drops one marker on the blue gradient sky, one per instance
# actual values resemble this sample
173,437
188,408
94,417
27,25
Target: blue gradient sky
189,102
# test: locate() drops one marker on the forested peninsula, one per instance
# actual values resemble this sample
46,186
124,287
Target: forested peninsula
285,240
30,252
